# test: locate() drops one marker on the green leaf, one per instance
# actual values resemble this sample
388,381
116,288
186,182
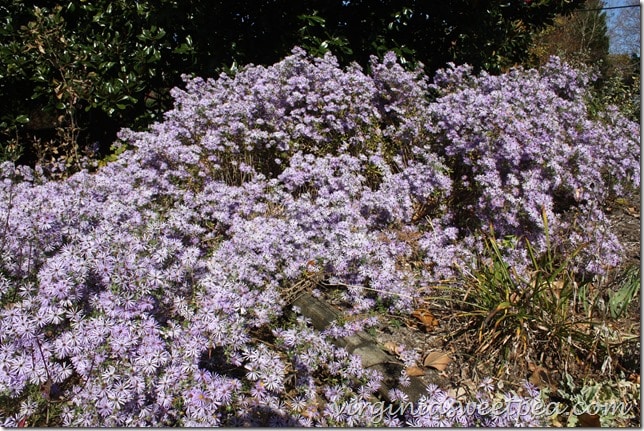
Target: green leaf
503,306
22,119
312,20
620,300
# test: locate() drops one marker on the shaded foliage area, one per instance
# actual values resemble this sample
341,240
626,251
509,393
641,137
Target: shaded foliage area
579,38
73,73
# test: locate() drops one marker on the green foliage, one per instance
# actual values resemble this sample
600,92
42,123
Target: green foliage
614,402
489,35
73,73
318,41
620,87
72,67
115,151
619,300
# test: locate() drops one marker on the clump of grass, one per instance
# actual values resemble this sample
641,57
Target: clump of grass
534,315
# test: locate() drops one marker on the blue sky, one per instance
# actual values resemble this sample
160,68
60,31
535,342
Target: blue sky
611,15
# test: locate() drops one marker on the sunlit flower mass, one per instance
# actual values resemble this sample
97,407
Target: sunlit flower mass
149,292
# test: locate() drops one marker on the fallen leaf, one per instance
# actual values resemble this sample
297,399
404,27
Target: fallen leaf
633,212
426,318
414,371
634,378
437,360
555,422
540,377
393,348
588,420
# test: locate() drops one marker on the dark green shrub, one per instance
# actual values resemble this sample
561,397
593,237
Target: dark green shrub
73,73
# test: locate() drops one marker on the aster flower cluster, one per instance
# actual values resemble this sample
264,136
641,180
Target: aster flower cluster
524,151
152,291
490,407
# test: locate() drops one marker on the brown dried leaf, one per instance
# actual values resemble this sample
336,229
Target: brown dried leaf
426,318
587,420
437,360
540,377
633,212
414,371
22,423
393,348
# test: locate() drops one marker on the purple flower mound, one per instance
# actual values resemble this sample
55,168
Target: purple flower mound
523,147
150,293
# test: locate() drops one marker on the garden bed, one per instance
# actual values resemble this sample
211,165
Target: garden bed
466,228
